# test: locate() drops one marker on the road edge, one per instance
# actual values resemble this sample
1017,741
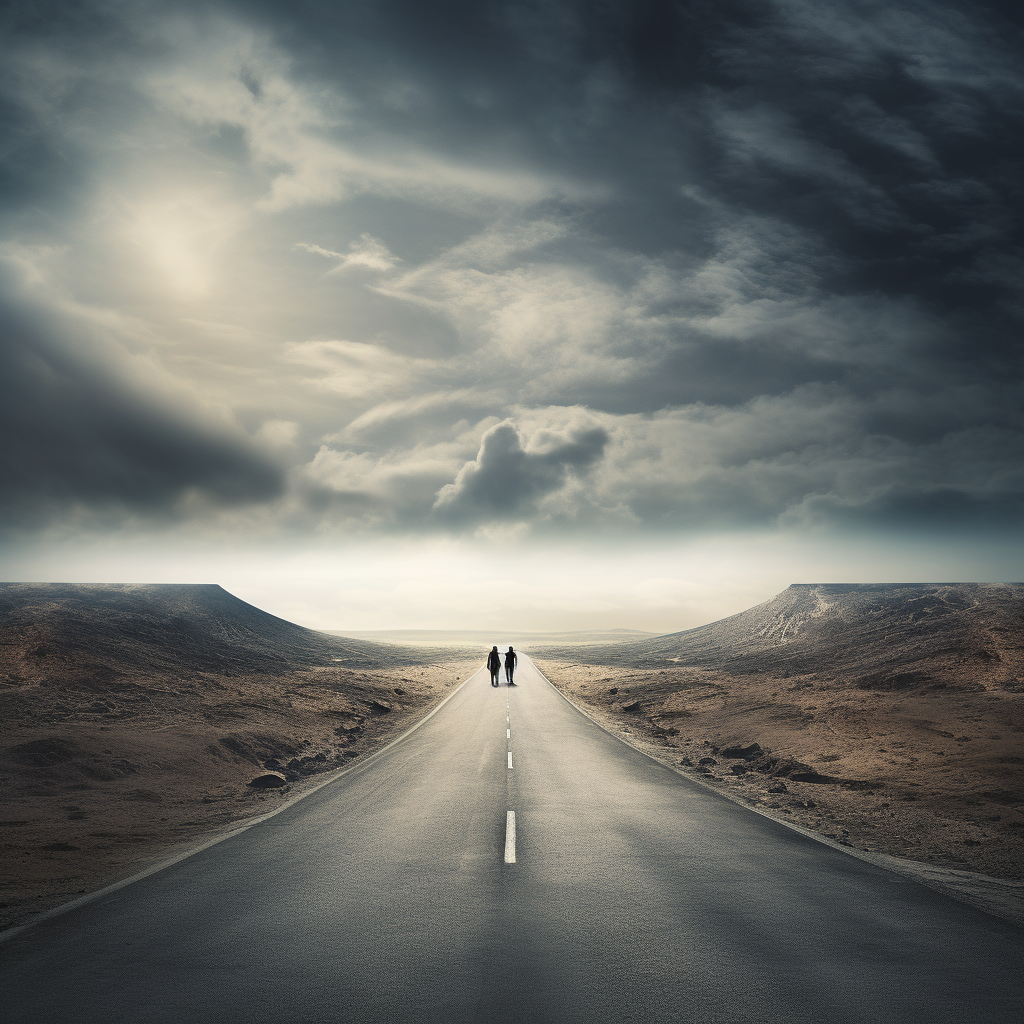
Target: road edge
961,886
232,830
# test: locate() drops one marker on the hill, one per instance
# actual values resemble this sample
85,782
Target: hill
878,636
108,630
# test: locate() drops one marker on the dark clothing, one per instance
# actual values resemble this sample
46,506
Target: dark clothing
510,665
494,665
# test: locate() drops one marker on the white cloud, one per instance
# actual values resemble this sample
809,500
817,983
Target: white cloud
369,253
368,490
320,251
507,480
278,434
309,138
436,404
356,369
555,317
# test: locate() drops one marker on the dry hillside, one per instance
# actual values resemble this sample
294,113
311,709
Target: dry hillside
879,636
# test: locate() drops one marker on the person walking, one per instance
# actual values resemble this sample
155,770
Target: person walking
510,665
494,664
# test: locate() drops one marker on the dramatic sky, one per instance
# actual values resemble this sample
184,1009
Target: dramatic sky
549,313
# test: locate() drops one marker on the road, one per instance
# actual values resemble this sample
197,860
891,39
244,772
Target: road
634,895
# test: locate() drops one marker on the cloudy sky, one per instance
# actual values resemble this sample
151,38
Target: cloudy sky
549,313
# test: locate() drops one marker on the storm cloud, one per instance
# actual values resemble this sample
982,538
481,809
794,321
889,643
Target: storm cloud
649,266
505,481
93,440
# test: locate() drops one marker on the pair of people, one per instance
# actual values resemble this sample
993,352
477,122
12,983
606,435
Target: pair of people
494,665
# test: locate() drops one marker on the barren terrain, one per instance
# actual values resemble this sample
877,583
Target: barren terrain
888,718
135,719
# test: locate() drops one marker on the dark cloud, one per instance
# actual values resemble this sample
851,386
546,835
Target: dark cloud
926,510
505,482
887,135
79,440
684,217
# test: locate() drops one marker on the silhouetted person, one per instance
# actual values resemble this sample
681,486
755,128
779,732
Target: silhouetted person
494,664
510,665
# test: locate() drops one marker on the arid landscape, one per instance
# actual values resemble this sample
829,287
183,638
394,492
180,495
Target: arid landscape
135,719
887,718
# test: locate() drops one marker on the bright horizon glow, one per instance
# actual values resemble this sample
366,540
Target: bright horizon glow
446,584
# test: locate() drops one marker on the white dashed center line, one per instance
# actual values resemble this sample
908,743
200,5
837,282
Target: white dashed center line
510,817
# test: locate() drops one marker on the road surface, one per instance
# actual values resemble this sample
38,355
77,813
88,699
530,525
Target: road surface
397,894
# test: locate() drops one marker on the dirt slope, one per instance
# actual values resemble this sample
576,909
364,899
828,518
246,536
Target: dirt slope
884,636
168,627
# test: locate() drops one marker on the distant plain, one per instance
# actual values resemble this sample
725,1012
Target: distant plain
484,639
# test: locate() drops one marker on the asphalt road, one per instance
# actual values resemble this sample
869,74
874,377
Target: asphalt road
634,896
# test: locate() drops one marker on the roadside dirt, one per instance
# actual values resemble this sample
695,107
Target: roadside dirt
133,720
935,779
936,776
95,784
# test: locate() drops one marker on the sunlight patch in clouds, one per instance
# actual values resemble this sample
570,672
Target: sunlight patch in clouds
185,238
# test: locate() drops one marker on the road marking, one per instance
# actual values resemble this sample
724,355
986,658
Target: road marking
510,836
510,759
508,734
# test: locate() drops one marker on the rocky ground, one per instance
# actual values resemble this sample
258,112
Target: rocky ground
888,717
134,720
96,783
937,776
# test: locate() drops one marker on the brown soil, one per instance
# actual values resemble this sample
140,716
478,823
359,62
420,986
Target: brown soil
120,740
91,792
890,717
936,776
